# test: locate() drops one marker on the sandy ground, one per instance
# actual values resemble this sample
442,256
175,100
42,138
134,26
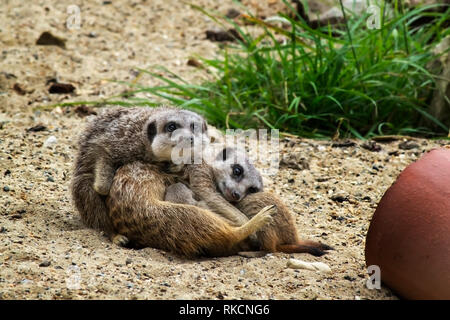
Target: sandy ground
46,252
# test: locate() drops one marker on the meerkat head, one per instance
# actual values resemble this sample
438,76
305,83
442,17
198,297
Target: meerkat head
171,128
235,175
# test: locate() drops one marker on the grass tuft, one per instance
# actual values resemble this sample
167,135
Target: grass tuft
328,82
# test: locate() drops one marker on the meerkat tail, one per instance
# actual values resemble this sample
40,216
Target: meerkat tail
315,248
90,204
182,229
104,174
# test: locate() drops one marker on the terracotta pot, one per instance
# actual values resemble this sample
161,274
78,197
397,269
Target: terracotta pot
409,235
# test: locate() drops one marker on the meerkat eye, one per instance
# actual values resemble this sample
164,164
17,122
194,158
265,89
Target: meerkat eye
171,127
237,170
252,190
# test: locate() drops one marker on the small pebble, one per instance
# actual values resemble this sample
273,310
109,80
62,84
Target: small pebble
222,35
349,278
61,88
6,188
48,39
37,128
52,140
45,264
232,13
343,144
313,266
339,198
408,145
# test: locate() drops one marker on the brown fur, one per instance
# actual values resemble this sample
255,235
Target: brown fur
201,182
110,140
280,235
138,212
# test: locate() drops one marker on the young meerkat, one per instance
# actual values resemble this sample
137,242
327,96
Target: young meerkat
138,211
119,136
229,178
233,178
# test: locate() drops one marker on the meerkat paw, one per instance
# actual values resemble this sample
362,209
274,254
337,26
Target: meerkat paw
175,168
120,240
264,217
261,219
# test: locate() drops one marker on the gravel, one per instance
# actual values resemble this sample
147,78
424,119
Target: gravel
84,263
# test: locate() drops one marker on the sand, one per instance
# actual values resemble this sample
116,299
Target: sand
45,250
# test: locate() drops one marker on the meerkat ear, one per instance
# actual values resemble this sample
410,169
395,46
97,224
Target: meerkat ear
151,131
204,127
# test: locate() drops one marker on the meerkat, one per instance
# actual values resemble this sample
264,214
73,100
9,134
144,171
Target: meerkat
120,136
229,178
230,173
138,211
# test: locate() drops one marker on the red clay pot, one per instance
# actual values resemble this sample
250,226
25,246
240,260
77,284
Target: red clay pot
409,235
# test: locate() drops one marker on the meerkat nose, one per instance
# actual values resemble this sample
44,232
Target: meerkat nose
236,195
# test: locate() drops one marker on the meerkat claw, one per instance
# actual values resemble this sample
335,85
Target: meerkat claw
120,240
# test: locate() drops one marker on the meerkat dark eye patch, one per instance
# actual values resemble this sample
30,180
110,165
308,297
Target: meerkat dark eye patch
171,127
238,171
151,131
196,128
252,190
204,127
